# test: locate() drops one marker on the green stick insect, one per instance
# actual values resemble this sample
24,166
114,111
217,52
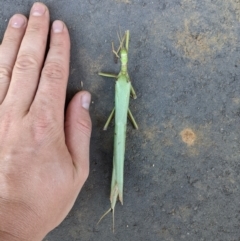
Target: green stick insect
123,88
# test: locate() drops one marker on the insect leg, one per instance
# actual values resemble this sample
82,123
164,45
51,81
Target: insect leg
114,51
127,40
108,211
120,46
108,75
132,119
109,119
133,93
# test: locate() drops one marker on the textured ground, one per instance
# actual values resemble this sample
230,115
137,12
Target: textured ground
182,169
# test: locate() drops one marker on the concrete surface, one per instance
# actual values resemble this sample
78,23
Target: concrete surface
182,166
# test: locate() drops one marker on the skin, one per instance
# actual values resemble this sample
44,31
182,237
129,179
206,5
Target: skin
44,155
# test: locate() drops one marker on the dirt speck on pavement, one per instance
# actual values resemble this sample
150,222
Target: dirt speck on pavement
188,136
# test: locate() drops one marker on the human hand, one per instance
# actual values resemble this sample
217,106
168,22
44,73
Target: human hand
44,162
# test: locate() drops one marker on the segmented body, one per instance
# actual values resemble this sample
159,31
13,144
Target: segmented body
122,89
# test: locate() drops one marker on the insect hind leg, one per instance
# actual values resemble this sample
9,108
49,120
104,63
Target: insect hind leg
132,119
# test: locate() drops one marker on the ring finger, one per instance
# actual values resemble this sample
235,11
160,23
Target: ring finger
9,49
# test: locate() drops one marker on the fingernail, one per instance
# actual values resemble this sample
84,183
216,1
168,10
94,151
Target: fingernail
57,26
38,9
85,100
17,21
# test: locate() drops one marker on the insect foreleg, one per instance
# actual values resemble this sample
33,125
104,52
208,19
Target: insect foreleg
127,40
108,75
114,51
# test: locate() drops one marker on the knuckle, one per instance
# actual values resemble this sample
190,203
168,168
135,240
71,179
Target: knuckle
6,123
43,125
42,131
58,44
34,27
25,62
84,126
53,93
40,127
10,39
5,74
53,70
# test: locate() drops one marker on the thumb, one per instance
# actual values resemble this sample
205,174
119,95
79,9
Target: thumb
78,128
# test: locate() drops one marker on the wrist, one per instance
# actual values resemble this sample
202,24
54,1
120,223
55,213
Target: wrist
5,236
18,225
8,237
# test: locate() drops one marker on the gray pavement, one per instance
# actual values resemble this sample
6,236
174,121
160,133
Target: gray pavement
182,166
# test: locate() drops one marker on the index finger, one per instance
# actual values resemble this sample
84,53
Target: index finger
51,92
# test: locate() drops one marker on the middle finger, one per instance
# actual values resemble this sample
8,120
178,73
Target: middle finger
27,69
